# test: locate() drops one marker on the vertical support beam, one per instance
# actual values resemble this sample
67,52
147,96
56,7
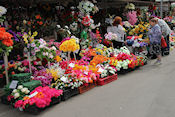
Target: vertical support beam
161,9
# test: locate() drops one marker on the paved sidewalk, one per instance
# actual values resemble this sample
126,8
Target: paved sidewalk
146,92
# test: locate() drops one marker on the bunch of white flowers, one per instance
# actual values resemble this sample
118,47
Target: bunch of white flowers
74,26
20,91
3,10
130,6
86,7
124,49
107,70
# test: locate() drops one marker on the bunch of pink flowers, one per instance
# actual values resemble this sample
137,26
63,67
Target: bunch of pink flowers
42,98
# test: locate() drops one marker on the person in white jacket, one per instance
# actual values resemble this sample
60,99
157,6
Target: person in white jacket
119,30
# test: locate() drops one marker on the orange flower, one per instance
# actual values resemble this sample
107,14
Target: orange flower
58,58
38,17
26,98
13,73
98,59
2,29
3,72
7,42
91,81
4,35
29,23
40,95
40,23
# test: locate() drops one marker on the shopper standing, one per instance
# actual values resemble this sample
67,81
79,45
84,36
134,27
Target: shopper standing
119,30
155,39
166,31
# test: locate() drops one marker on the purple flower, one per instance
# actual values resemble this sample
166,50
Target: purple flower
14,35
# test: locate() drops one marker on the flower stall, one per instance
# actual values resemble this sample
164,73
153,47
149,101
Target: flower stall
46,72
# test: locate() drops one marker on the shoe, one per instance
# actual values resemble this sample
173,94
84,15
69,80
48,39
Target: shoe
158,62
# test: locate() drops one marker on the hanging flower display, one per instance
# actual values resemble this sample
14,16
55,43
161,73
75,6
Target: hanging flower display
6,42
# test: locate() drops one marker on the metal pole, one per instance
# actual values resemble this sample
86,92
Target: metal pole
161,9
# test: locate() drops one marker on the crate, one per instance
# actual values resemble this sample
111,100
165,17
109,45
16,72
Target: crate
22,77
55,100
69,93
123,71
4,100
34,110
84,88
103,81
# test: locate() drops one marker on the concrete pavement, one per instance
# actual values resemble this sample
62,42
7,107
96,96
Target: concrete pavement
146,92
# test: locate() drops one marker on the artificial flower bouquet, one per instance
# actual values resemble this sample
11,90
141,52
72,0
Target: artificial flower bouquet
111,36
40,49
63,31
3,11
19,93
86,7
43,76
61,74
6,42
67,82
11,69
40,97
107,70
140,30
70,45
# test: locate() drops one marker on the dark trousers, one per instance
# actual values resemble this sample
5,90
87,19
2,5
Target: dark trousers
117,44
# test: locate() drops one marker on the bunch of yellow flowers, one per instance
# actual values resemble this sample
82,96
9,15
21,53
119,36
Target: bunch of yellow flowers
54,73
69,46
139,29
29,37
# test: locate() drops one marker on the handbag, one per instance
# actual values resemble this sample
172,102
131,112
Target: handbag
163,42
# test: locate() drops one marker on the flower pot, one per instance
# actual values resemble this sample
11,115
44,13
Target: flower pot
103,81
69,93
84,88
